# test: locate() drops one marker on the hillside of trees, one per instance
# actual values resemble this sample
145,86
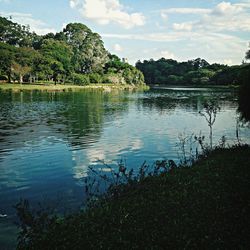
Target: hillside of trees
75,55
193,72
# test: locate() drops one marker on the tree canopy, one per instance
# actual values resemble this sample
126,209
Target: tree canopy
75,55
193,72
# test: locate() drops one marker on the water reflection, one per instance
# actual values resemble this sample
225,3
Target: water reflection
48,140
187,98
76,117
39,133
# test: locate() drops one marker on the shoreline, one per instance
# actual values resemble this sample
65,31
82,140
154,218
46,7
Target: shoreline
158,86
65,88
16,87
186,204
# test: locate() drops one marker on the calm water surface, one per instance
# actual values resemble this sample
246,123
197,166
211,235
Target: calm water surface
48,140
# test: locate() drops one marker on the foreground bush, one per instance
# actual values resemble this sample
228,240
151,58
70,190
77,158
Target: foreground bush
205,206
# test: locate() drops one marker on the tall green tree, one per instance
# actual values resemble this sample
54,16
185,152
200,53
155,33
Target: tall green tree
89,54
7,55
76,54
57,55
15,34
24,61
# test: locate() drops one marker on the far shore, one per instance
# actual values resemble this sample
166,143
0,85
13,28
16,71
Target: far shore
67,87
204,86
50,87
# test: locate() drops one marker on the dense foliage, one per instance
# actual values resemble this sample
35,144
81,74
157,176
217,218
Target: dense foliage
244,92
205,206
193,72
76,55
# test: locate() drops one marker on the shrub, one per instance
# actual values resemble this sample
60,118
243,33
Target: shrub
95,78
80,79
106,79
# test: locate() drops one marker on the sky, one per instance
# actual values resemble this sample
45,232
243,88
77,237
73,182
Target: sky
215,30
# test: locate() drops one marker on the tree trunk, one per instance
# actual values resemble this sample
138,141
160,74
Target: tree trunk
9,78
20,79
211,137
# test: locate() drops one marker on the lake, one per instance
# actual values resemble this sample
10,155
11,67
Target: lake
48,140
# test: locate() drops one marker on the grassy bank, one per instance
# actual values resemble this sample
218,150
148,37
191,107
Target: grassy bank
205,206
62,87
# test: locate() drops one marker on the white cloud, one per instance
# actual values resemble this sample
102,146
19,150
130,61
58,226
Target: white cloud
227,17
26,19
228,61
173,36
223,17
164,16
74,3
226,8
167,54
154,37
243,4
117,47
214,47
108,11
186,11
187,26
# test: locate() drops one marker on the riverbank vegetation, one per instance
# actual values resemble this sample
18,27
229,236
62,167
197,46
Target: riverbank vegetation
50,87
197,72
204,206
244,94
75,55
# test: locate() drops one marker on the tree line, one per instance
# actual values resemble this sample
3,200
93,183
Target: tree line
75,55
193,72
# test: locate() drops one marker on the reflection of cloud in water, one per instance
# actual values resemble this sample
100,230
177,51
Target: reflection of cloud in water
80,171
107,154
95,154
112,150
137,144
105,169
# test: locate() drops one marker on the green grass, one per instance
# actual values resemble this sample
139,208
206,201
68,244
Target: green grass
62,87
205,206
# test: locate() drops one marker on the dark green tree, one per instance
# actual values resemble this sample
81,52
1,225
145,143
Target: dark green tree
76,54
57,54
89,54
15,34
169,72
24,61
7,54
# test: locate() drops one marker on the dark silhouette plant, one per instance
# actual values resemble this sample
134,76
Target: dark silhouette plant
210,111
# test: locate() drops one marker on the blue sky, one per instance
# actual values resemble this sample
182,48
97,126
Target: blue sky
216,30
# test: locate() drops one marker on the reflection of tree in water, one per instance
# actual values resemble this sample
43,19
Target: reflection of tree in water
76,117
168,100
86,112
